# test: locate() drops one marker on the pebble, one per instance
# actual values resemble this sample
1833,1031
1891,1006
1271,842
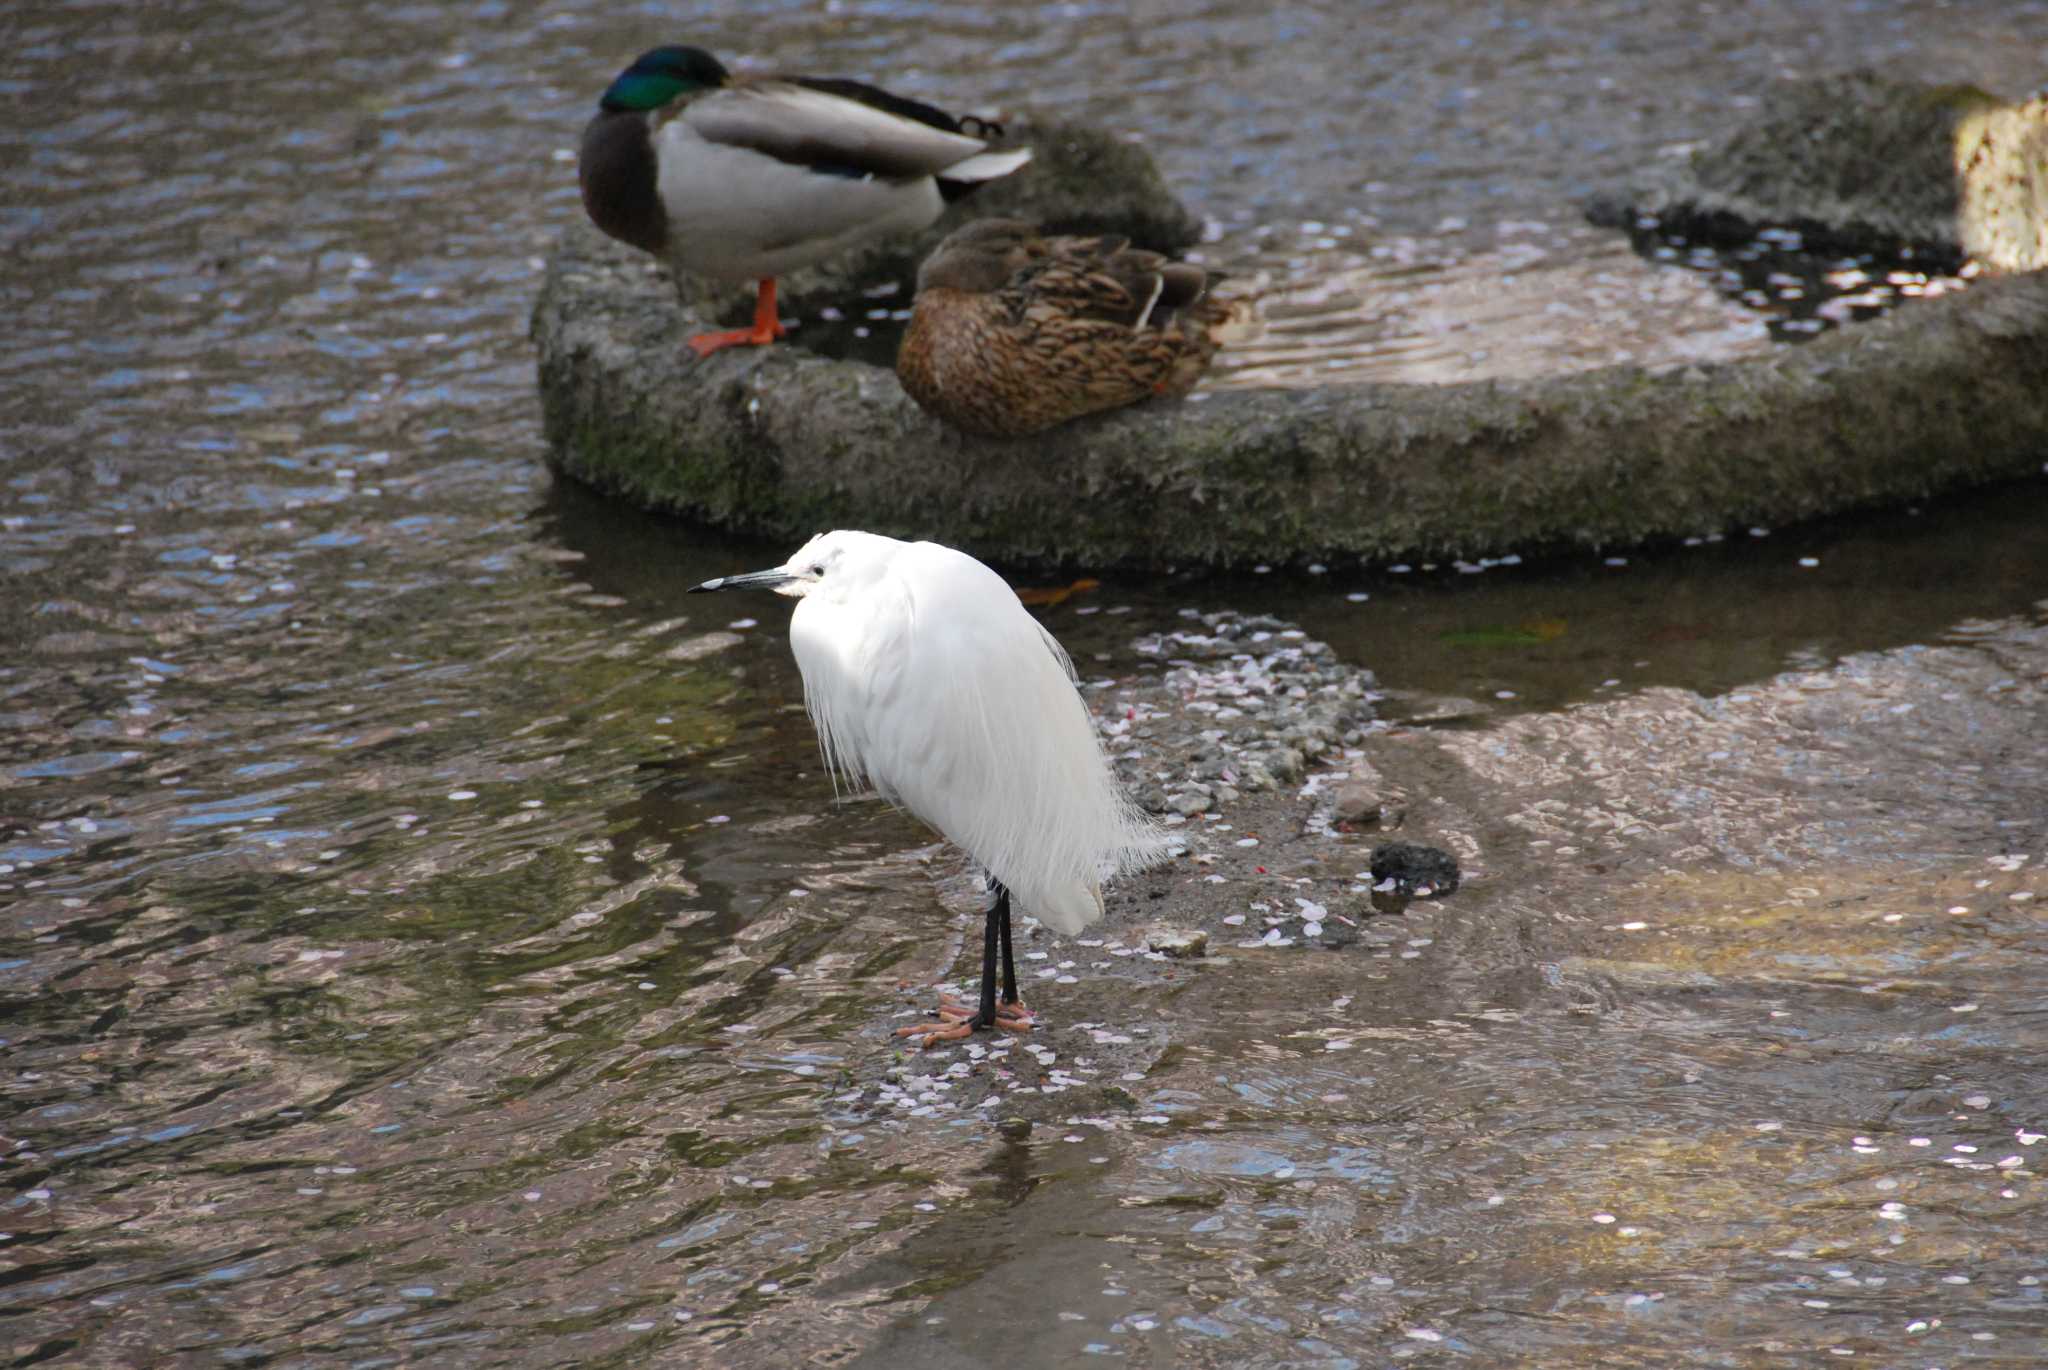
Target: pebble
1179,943
1359,799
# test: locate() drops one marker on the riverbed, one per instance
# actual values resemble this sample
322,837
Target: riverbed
427,938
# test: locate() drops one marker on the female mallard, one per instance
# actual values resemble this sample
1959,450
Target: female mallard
745,178
1012,332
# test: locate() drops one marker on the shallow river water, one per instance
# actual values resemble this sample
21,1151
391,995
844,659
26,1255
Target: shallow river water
426,938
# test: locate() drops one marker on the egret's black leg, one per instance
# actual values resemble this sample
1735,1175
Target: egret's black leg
1009,965
997,928
953,1020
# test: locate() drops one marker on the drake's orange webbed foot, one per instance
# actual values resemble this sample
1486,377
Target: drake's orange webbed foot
704,344
767,327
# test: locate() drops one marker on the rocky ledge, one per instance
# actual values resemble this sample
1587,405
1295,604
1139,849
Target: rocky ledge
782,442
1863,163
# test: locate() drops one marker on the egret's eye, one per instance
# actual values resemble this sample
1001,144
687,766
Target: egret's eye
819,569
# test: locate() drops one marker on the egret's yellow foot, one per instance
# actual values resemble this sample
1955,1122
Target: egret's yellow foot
952,1020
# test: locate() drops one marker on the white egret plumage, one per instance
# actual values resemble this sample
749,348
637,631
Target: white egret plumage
927,679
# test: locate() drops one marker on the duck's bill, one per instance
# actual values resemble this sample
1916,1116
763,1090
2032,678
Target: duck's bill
752,580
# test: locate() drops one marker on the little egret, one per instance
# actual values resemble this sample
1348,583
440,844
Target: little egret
928,680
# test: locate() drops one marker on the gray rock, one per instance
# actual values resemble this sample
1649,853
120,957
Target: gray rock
1253,776
1862,162
1280,765
1178,943
1358,799
1191,801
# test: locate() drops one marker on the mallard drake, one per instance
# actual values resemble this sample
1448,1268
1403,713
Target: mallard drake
748,177
1012,332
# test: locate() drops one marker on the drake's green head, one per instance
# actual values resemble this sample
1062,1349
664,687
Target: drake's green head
661,75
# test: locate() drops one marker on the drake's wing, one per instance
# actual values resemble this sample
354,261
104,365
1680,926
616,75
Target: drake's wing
819,124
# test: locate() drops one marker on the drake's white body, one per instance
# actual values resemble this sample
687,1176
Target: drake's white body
737,215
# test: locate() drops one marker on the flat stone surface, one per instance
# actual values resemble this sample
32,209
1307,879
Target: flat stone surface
781,442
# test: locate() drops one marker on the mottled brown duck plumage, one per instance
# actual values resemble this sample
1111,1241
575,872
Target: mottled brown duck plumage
1012,332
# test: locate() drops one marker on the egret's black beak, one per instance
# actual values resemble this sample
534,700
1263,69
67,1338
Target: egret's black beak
752,580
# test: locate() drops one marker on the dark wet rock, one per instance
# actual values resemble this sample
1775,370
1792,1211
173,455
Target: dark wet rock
781,442
1864,163
1412,866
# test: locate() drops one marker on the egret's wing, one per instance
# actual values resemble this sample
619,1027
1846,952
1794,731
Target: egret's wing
984,736
853,657
828,126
